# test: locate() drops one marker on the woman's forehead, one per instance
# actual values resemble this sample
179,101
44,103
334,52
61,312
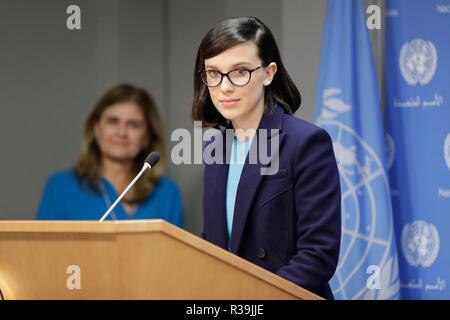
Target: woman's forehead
124,109
242,54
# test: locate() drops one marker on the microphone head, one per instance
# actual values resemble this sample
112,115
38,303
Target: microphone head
152,158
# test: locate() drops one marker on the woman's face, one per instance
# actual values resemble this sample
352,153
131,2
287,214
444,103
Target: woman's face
121,132
238,103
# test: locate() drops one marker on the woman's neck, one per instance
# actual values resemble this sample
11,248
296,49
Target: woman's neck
119,174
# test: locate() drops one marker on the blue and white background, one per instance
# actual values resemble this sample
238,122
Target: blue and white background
394,168
417,86
348,107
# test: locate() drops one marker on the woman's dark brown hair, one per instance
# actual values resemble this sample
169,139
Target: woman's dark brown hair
88,165
225,35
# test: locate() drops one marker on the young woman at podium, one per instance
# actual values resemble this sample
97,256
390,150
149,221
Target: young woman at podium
119,133
283,215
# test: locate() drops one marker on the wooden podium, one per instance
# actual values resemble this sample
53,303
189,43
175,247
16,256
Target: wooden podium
146,259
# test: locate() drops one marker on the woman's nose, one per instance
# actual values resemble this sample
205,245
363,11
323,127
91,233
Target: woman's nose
122,129
226,85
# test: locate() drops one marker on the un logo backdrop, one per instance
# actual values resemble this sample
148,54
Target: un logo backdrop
367,238
418,118
348,107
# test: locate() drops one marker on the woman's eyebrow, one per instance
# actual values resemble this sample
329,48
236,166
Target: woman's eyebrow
115,117
134,120
232,66
111,116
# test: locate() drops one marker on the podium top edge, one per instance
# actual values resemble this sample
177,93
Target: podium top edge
83,226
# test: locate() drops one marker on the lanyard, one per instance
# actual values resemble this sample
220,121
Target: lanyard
107,201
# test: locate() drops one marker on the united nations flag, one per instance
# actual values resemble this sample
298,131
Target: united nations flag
348,107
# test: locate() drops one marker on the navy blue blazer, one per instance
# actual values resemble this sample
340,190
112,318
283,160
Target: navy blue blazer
290,222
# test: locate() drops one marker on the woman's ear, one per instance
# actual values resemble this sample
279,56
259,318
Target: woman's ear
271,69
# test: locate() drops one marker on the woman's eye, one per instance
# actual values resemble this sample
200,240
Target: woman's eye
213,74
112,120
134,125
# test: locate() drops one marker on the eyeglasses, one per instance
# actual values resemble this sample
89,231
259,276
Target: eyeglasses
239,77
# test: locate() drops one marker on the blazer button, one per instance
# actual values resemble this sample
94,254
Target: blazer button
262,253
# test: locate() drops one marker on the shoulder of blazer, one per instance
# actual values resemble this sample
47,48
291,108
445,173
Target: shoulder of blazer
299,127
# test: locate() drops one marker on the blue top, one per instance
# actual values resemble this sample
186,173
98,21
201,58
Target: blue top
238,155
65,198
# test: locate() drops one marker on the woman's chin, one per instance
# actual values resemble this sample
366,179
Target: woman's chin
230,114
119,157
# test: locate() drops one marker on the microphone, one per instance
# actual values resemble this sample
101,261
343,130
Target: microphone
150,162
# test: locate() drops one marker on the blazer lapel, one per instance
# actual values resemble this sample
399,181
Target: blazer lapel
251,176
215,195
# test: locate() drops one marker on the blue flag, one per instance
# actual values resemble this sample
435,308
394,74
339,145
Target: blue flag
418,121
348,107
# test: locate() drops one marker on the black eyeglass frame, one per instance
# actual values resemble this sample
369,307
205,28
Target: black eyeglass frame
203,72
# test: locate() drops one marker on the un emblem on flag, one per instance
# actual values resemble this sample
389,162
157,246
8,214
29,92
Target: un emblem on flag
390,150
447,150
420,243
367,231
418,61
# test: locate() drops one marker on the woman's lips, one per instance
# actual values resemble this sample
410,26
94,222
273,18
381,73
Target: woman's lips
120,144
229,102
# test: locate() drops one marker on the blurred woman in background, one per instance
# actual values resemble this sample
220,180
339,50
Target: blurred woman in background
121,131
